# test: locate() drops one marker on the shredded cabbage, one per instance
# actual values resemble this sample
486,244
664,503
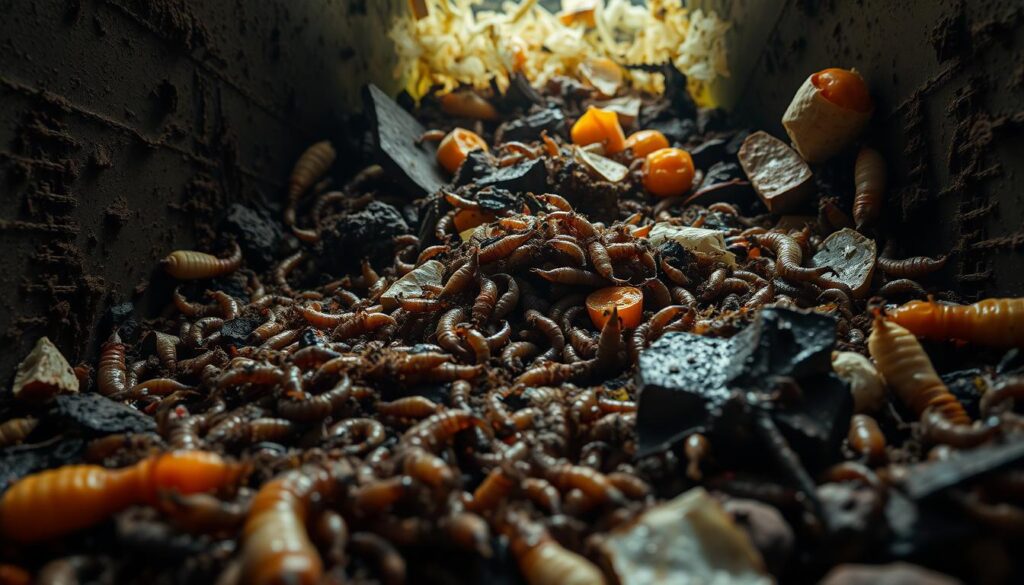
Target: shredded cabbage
455,45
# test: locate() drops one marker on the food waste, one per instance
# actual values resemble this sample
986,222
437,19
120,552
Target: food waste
551,336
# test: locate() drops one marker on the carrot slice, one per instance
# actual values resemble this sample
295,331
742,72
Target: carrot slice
456,146
627,299
599,126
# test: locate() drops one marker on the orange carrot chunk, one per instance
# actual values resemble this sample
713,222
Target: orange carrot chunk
628,300
456,146
599,126
668,172
645,142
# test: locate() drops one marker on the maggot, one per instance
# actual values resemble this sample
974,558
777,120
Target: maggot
192,265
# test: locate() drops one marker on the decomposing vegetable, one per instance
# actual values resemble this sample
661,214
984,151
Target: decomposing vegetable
645,142
597,126
668,172
828,113
623,302
456,146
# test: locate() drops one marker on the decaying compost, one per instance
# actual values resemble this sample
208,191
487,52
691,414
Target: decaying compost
566,333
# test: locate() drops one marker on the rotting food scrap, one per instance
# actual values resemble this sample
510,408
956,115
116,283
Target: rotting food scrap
534,372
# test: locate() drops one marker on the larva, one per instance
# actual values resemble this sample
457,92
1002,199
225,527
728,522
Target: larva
909,372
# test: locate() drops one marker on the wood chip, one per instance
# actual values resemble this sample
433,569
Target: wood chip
778,174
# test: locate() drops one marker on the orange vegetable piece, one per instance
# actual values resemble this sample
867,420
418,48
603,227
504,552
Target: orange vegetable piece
467,219
645,142
843,88
628,300
467,104
668,172
599,126
456,146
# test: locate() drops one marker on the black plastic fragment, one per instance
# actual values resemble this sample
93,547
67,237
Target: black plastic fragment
692,383
521,93
478,164
498,200
821,420
99,415
682,380
529,127
725,182
528,177
784,342
395,133
256,232
721,172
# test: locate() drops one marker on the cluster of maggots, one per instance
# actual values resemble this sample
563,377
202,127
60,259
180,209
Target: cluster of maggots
477,411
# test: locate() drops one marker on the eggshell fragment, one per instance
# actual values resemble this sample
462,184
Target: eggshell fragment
43,374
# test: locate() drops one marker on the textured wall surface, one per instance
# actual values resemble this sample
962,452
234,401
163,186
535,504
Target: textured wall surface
126,125
948,78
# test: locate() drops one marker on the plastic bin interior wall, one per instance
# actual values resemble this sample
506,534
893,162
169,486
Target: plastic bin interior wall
127,126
